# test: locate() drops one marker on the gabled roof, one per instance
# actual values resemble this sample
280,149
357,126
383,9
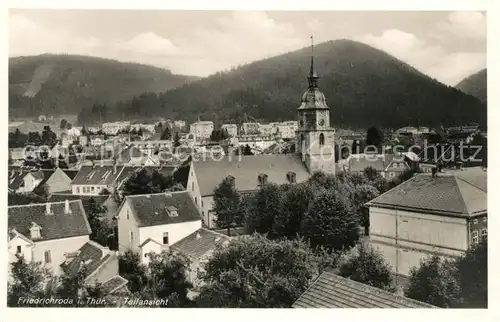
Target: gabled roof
151,209
54,226
452,194
37,175
149,240
333,291
246,169
97,175
91,254
199,243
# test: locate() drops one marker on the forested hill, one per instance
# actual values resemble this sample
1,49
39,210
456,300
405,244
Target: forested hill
475,85
55,84
363,86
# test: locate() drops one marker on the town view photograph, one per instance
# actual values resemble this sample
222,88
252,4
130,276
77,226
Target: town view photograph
247,159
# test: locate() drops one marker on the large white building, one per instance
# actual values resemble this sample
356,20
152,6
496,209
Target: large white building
430,214
232,129
202,129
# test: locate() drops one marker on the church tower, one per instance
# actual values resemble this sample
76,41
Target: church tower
315,137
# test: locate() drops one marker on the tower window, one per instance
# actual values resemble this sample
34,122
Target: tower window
291,177
262,179
321,139
47,256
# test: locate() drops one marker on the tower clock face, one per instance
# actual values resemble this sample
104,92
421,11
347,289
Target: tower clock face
321,122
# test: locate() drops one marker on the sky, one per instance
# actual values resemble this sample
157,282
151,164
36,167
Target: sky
445,45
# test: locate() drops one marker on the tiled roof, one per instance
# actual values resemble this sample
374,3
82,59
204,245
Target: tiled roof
97,175
151,210
113,284
91,254
57,197
333,291
54,226
446,194
359,162
199,243
246,169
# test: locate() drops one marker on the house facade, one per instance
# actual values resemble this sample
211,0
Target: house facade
445,214
47,232
152,223
202,129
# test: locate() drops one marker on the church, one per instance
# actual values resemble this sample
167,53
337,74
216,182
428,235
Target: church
314,152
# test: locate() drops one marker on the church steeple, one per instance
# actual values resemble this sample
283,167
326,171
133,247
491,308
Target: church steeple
313,77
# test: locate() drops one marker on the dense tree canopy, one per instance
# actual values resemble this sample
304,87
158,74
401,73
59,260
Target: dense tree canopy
147,181
228,205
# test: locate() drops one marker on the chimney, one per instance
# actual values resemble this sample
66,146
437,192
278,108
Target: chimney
48,211
198,236
114,168
67,209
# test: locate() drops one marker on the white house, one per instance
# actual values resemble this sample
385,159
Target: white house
32,180
232,129
47,232
442,213
97,140
153,222
388,165
202,129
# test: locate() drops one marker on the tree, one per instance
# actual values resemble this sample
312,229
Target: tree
166,135
435,282
330,221
169,274
24,199
262,209
147,181
256,272
73,285
101,230
294,204
177,139
369,267
362,194
227,205
375,138
247,150
473,276
63,124
28,280
48,138
131,268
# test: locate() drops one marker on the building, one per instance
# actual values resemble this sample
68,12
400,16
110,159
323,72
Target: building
202,129
389,166
250,128
333,291
440,213
101,266
58,181
179,124
97,140
315,137
232,129
47,232
287,130
92,180
249,173
256,142
114,127
267,129
83,140
17,155
152,223
198,247
31,180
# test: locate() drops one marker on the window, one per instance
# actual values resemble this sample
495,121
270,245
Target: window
92,189
47,256
165,238
192,186
131,238
291,177
321,139
191,173
475,221
77,189
128,215
262,179
18,249
196,200
484,219
484,233
202,202
475,237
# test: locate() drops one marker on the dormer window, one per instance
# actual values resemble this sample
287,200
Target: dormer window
35,231
321,139
291,177
171,211
262,179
